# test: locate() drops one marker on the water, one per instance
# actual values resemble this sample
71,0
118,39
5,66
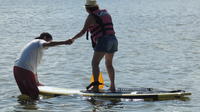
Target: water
159,44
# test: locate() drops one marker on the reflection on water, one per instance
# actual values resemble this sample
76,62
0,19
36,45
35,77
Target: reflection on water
89,103
99,104
26,103
96,104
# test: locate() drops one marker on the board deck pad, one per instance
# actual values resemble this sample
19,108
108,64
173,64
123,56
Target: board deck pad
132,93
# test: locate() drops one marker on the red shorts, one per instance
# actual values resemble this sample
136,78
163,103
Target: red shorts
26,82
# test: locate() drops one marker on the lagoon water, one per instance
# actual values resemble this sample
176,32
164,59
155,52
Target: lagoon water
159,47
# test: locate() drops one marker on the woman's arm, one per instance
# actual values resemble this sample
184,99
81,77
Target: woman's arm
89,21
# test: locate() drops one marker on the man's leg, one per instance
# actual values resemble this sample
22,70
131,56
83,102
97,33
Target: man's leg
26,82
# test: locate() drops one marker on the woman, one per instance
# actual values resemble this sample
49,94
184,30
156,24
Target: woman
104,42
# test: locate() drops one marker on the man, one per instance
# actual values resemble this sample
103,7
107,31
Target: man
99,24
25,68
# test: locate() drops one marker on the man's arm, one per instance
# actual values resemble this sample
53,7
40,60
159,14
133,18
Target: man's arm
56,43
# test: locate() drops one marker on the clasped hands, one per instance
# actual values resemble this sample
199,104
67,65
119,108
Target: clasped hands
69,41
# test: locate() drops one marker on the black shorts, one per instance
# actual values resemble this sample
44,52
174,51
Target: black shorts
108,44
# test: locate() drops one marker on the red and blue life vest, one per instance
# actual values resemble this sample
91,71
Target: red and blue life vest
104,25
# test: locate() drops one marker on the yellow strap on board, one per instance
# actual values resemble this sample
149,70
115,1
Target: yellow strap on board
100,80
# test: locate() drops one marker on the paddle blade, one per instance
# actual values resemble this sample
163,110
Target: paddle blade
100,80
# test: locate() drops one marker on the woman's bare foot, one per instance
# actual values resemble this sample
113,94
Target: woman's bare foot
95,89
112,89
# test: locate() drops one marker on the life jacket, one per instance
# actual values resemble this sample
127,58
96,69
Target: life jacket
103,27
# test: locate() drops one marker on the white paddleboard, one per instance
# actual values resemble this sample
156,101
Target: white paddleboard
133,93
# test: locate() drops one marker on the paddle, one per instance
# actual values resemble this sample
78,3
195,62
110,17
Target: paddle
100,80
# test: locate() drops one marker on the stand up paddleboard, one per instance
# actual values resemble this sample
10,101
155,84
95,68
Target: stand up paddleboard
131,93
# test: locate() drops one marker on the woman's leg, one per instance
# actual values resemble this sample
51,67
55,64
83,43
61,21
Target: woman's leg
110,69
97,57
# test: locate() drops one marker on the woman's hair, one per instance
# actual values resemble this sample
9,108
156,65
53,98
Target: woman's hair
45,34
91,9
